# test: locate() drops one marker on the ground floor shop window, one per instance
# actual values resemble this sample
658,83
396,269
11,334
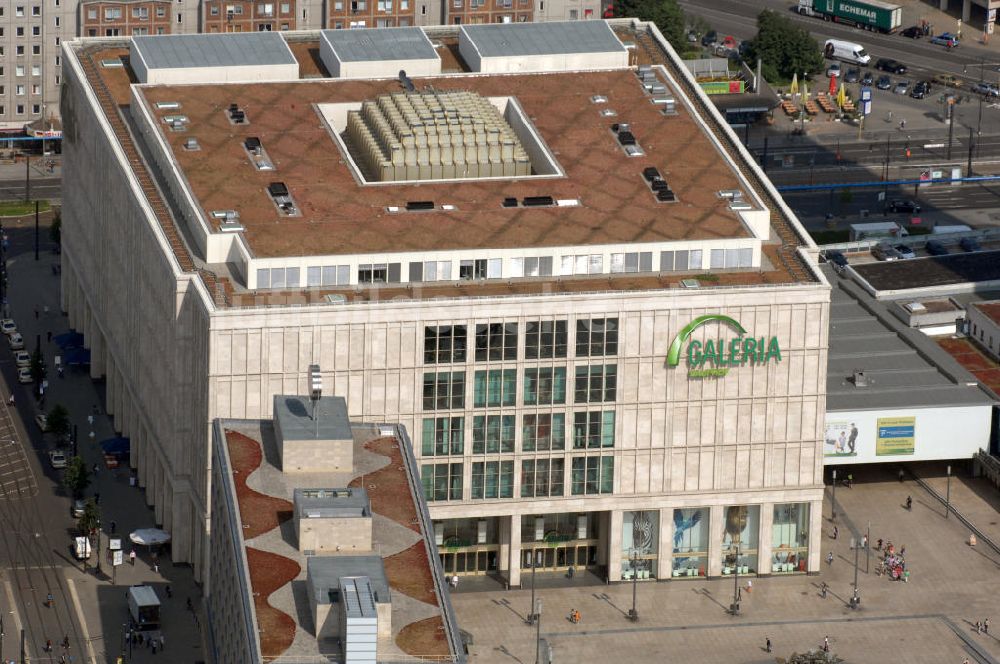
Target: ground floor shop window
740,538
640,544
790,538
691,532
559,541
468,546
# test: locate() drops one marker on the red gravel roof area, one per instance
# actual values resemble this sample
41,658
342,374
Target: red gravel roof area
989,309
969,355
339,216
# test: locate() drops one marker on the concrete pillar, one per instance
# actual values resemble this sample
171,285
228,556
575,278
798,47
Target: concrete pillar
765,539
717,526
96,343
966,11
514,571
815,536
665,552
503,537
614,544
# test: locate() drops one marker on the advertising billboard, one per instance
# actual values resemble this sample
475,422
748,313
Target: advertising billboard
896,435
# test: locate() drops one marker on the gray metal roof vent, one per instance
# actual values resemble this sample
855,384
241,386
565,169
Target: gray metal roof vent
860,379
191,145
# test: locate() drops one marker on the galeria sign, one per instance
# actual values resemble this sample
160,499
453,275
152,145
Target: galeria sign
716,356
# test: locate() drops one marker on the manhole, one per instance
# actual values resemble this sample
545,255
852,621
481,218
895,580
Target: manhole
371,486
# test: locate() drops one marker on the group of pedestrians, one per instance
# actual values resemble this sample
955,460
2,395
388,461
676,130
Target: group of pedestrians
154,642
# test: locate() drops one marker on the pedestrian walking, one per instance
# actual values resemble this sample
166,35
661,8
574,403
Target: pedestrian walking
131,559
979,627
829,558
864,541
162,643
767,644
901,474
749,585
170,593
826,644
48,645
113,525
156,567
836,532
878,544
909,503
850,476
986,626
902,551
10,401
96,468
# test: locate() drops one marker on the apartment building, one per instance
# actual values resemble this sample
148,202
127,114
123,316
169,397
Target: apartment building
125,18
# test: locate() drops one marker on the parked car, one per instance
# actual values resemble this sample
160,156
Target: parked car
913,32
710,38
905,252
969,244
853,75
77,509
920,90
57,459
986,89
885,252
22,358
884,83
945,39
16,341
900,205
833,70
8,326
935,248
868,78
902,88
836,258
24,375
42,420
950,80
890,65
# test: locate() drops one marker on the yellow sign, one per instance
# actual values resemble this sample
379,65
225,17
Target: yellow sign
896,436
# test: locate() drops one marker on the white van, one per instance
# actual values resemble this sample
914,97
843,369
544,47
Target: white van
836,49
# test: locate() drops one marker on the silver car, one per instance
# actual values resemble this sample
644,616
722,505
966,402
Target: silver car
886,252
902,88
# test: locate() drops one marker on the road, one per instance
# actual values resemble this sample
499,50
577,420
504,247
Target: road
43,188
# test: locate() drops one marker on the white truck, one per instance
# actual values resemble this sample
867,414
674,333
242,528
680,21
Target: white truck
836,49
143,608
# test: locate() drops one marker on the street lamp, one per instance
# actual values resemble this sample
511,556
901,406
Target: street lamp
535,559
947,499
856,599
633,613
538,631
833,496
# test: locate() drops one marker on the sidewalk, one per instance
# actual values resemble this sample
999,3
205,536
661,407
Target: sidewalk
34,304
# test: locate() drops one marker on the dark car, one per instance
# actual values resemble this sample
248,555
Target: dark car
890,65
935,248
969,244
835,258
884,83
710,38
920,90
852,75
913,32
868,78
900,205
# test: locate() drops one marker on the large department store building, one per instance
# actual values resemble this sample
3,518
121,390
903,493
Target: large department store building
542,251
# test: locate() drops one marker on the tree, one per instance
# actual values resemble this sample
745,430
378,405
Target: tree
665,14
697,25
783,48
37,366
55,230
57,422
91,519
76,478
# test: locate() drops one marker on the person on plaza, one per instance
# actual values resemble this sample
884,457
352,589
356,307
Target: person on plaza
979,627
850,480
829,558
902,551
878,544
836,532
909,503
749,585
826,644
901,474
767,644
113,526
823,588
48,600
48,645
864,541
156,566
131,557
65,643
162,642
170,593
986,626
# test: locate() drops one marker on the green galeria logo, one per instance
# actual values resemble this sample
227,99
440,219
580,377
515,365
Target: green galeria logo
714,358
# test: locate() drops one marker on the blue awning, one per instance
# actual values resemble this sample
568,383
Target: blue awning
76,356
69,339
116,446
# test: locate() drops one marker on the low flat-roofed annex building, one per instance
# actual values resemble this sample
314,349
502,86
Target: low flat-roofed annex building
600,321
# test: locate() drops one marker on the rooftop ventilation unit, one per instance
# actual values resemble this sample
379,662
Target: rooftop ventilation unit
419,205
651,173
509,202
236,114
626,138
191,145
112,63
739,206
252,144
335,298
860,379
690,283
225,214
731,194
609,113
599,99
168,105
231,226
405,81
666,196
277,189
634,151
537,201
658,89
644,69
915,307
669,104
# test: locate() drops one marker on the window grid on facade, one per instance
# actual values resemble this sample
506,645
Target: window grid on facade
596,384
496,341
592,475
444,390
596,337
543,431
492,479
594,429
495,387
443,436
444,344
492,434
442,481
542,477
544,386
545,339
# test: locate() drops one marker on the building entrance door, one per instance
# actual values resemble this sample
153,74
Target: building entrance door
469,561
562,556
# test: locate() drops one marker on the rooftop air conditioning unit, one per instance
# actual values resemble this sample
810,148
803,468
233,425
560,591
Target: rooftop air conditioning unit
860,379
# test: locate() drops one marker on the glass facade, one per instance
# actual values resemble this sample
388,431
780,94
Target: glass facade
559,541
790,538
742,528
468,546
640,544
691,533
